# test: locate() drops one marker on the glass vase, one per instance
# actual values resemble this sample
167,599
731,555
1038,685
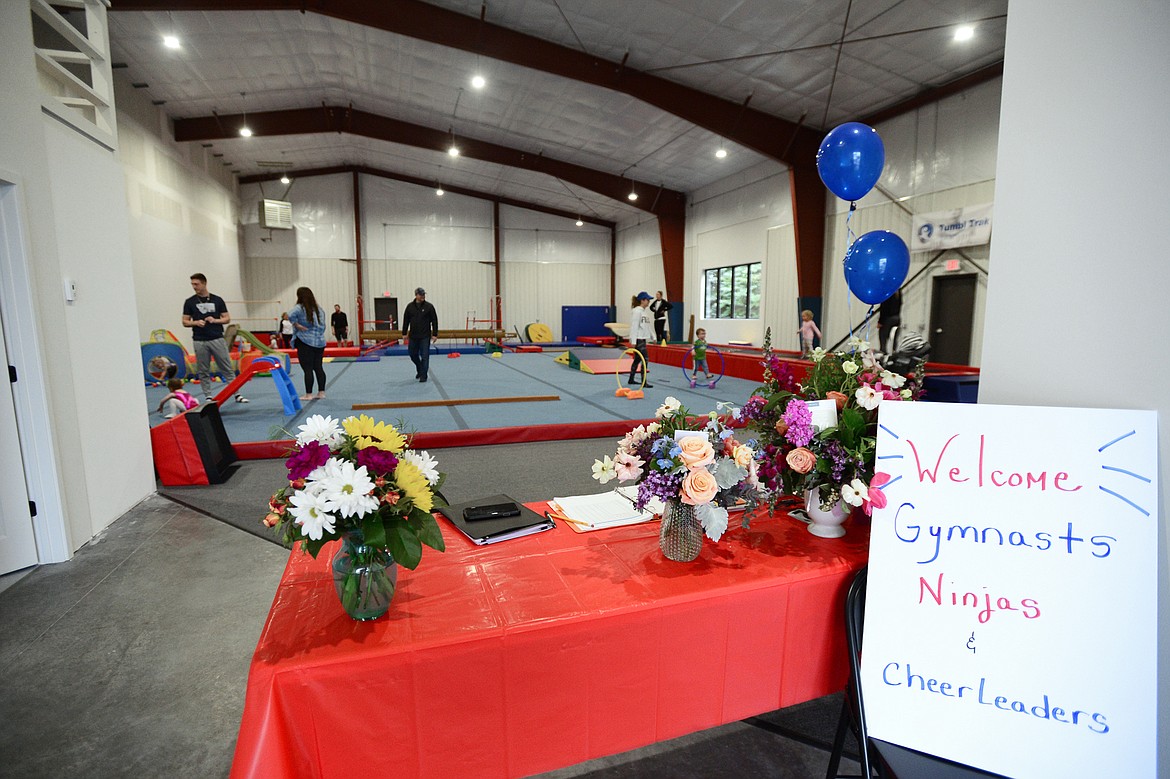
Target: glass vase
364,577
681,534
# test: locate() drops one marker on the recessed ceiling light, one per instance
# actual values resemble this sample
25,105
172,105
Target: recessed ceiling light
284,179
171,41
720,153
246,131
964,33
478,81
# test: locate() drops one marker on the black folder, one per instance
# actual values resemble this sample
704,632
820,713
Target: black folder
491,531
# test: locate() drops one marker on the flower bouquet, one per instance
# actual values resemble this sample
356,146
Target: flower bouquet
818,437
695,465
359,481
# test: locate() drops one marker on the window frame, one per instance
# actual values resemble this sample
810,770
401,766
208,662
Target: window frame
742,297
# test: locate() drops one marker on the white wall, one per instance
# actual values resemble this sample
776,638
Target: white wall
81,394
638,267
413,238
1076,316
182,213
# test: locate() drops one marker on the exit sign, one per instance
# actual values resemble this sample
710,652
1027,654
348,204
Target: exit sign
952,265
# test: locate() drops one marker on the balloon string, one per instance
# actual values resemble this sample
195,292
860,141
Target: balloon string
850,239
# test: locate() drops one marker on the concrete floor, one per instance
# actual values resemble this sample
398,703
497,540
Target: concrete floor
131,661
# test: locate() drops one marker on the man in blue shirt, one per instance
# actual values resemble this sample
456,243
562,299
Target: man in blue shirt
206,314
420,329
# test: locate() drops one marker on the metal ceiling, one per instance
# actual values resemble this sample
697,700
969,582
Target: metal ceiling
781,57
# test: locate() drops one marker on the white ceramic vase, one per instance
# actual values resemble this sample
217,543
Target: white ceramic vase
826,524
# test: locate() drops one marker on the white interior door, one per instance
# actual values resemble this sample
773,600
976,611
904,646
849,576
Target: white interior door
18,547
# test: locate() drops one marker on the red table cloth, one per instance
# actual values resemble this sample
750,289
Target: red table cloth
544,651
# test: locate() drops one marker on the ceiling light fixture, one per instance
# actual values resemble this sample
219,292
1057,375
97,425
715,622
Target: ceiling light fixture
633,195
478,82
284,179
579,222
171,41
964,33
245,130
720,153
439,190
453,150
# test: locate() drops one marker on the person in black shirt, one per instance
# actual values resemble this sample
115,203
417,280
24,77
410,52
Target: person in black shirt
340,324
660,306
889,317
206,314
420,322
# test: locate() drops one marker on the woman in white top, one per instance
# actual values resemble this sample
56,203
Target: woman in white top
641,330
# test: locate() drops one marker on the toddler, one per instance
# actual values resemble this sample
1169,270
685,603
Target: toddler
700,355
177,402
808,329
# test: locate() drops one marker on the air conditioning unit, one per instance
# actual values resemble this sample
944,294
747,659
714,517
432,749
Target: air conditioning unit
276,214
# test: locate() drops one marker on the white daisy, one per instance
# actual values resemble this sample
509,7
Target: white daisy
348,489
427,465
312,511
325,430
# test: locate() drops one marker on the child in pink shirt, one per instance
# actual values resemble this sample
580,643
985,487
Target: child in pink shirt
808,329
177,402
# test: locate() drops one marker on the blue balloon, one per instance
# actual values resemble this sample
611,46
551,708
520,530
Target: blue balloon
876,265
851,159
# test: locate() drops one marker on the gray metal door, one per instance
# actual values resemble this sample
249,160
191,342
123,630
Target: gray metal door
952,315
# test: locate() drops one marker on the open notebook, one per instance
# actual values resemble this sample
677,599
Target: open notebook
603,510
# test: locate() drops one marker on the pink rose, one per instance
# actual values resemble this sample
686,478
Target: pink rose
696,451
698,487
801,460
743,455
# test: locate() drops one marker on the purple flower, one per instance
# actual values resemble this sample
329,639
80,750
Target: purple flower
753,408
307,459
799,419
376,460
658,485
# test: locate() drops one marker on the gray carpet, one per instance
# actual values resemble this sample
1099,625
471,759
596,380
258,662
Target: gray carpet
523,471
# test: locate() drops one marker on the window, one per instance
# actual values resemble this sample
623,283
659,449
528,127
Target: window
732,292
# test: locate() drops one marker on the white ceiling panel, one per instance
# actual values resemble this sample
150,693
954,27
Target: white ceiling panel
783,53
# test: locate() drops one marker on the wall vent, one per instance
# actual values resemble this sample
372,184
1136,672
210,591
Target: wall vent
276,214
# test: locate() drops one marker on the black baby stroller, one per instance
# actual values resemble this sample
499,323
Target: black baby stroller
907,350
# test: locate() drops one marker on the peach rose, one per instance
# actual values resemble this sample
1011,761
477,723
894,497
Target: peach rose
696,451
781,427
840,398
801,460
698,487
271,520
743,455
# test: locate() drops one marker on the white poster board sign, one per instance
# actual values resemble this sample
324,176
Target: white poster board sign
1011,612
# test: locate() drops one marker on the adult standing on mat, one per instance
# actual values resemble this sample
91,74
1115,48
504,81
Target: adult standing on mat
659,307
340,324
309,322
206,314
641,330
420,329
889,317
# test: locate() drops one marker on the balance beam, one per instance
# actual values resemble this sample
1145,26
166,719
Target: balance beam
454,402
396,335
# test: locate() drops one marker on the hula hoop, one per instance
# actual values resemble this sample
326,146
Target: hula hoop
618,376
722,367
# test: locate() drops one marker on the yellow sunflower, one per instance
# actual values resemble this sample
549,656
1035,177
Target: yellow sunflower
414,485
379,435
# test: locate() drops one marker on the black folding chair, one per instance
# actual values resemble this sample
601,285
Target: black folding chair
890,761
